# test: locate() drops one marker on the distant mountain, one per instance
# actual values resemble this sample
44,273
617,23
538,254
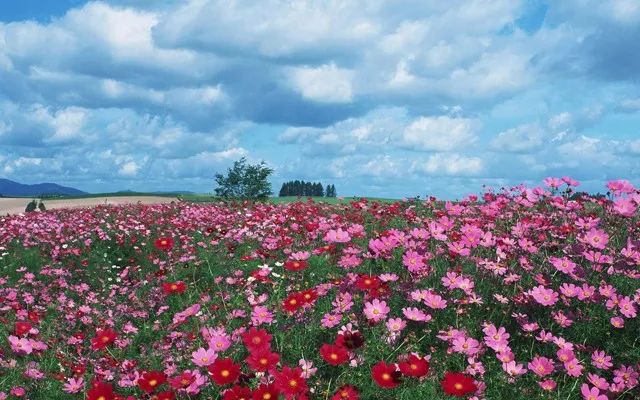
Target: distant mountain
10,188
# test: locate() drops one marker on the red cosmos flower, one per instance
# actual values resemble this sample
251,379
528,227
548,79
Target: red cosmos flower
150,380
167,395
293,302
346,392
309,296
262,359
458,384
292,265
100,391
256,338
103,338
334,355
34,316
181,381
290,382
350,340
266,392
367,282
224,371
382,290
237,393
385,375
414,366
164,243
78,369
21,328
173,287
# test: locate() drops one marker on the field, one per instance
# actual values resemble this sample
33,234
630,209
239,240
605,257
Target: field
518,294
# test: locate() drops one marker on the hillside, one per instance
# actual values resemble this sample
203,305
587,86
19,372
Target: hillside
9,188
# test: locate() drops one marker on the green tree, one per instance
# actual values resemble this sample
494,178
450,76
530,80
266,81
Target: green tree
245,181
31,206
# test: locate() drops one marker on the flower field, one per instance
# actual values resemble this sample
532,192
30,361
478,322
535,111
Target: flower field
525,293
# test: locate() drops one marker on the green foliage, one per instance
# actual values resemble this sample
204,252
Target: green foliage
301,188
32,206
41,206
245,181
331,191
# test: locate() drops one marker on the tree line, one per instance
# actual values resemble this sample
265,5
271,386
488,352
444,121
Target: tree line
302,188
251,181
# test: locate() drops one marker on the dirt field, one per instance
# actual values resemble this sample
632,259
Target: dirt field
17,205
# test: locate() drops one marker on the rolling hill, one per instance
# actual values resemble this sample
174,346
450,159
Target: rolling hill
9,188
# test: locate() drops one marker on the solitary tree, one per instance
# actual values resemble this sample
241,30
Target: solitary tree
243,180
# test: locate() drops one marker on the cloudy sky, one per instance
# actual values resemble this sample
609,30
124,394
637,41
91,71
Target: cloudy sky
382,98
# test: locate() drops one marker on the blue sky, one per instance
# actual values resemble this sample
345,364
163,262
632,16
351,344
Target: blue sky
381,98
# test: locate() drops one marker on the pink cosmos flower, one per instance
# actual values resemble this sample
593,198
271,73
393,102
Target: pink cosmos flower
591,393
601,360
203,357
625,207
337,236
396,324
376,310
468,346
541,366
548,384
573,368
73,385
617,322
307,368
261,315
626,375
415,314
22,345
219,342
413,261
552,182
513,369
544,296
621,186
596,238
434,301
331,320
627,307
598,381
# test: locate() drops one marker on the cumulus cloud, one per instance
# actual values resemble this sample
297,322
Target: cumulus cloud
379,96
326,83
440,133
450,164
523,138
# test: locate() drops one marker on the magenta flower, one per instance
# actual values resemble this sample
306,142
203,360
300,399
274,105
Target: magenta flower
376,310
544,296
203,357
468,346
596,238
337,236
541,366
73,385
601,360
591,393
261,315
21,346
396,324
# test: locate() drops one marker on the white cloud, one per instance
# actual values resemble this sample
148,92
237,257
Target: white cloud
441,133
523,138
129,168
327,83
450,164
